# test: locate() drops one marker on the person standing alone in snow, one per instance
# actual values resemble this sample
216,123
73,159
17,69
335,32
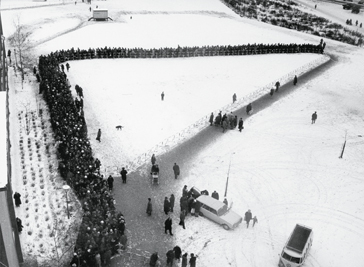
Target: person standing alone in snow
241,123
123,173
162,96
313,117
295,80
248,217
168,225
98,137
234,98
149,207
176,170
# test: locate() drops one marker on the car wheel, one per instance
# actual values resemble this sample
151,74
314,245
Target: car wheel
226,227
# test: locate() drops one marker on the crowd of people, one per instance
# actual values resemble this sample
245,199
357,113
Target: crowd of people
194,51
102,228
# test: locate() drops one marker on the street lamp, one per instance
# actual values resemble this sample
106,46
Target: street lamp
66,188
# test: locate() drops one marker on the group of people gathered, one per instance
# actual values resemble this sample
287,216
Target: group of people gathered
102,228
194,51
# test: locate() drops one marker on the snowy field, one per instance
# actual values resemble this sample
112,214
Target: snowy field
284,169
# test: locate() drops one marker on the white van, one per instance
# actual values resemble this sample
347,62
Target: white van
297,247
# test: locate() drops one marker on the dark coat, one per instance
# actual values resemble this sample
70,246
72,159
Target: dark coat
168,224
153,159
241,123
149,207
167,205
193,261
248,216
211,120
17,199
184,261
176,169
215,195
170,256
177,252
295,80
123,174
314,116
171,201
153,259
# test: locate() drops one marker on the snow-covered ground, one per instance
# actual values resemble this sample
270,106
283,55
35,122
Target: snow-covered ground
283,168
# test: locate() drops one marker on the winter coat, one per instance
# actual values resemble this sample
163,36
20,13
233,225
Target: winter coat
17,199
248,216
215,195
171,201
193,261
211,118
241,123
184,261
153,259
170,256
123,174
176,169
149,207
177,252
153,159
167,205
168,224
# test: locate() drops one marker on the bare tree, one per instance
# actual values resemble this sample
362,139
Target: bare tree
63,234
22,46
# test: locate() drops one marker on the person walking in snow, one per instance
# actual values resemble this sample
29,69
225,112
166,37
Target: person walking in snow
193,259
171,202
255,220
17,199
166,206
234,98
162,96
177,253
170,257
149,207
295,80
110,182
277,85
182,217
98,137
168,225
176,170
271,92
249,109
153,259
211,120
67,66
153,159
248,217
184,260
241,124
314,117
123,174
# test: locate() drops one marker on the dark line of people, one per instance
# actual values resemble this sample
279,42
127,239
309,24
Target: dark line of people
102,228
195,51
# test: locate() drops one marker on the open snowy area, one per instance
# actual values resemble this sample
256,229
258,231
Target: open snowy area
282,167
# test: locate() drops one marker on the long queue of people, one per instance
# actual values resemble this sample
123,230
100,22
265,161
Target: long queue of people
194,51
102,226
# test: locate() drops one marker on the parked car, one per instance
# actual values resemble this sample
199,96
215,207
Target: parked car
295,252
218,212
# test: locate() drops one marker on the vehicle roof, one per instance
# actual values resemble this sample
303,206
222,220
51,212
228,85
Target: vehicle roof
210,201
299,238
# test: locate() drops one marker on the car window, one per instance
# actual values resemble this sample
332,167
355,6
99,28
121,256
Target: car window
209,209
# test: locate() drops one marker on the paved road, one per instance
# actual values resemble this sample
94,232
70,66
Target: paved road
146,234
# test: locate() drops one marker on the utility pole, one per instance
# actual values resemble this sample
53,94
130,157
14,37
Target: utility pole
227,179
